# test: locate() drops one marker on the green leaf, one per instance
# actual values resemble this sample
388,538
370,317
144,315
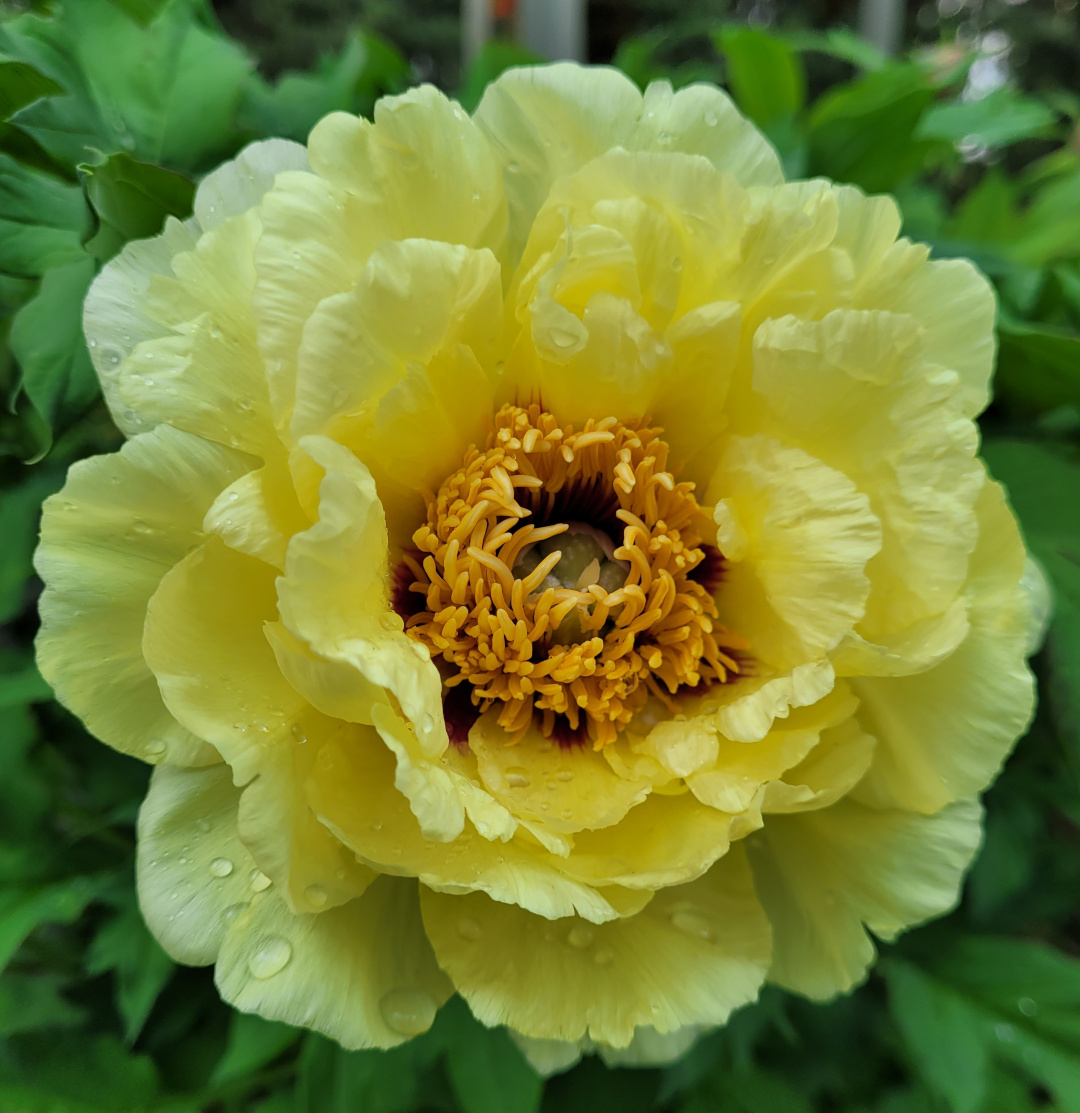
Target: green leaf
366,68
765,77
142,11
31,1002
131,200
253,1042
331,1080
943,1035
996,120
22,910
142,968
1044,488
20,510
21,84
1050,228
166,92
1038,367
47,340
487,1071
864,132
840,43
42,220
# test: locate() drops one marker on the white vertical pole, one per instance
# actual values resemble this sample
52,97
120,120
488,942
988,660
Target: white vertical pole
882,22
554,29
475,27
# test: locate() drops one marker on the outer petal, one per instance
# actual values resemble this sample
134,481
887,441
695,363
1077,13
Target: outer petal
693,955
119,524
193,873
547,121
423,165
648,1048
205,641
115,316
363,974
822,875
944,733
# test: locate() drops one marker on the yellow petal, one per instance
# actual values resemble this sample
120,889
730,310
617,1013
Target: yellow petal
398,368
694,954
803,536
242,182
567,789
822,875
831,770
423,166
856,391
258,513
362,974
546,122
334,594
193,873
119,524
351,791
206,375
114,313
944,733
206,644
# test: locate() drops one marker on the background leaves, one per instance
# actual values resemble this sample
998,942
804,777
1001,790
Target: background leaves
109,111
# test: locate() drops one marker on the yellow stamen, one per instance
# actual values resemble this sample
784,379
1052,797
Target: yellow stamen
657,633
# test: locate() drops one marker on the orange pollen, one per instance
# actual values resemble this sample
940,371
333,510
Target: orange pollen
515,607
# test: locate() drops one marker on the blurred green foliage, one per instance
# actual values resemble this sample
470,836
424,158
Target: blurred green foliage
111,109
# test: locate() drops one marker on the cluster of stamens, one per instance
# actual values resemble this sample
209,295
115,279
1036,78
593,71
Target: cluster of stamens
520,589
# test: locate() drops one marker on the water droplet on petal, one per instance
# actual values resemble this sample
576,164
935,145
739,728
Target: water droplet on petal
155,747
603,956
693,923
564,775
581,935
316,895
221,867
231,913
516,777
408,1011
259,881
469,928
270,958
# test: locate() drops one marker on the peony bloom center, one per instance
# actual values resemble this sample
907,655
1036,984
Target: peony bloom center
563,574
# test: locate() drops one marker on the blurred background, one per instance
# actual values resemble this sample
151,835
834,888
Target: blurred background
110,111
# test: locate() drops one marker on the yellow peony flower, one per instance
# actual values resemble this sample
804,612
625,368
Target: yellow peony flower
550,562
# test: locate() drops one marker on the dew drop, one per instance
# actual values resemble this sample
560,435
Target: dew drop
1027,1006
271,958
1005,1033
408,1011
564,775
221,867
581,935
603,956
469,928
316,895
155,747
567,813
710,119
693,923
516,777
389,620
259,881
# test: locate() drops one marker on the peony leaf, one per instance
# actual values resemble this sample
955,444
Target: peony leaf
252,1044
131,200
988,998
1044,487
996,120
124,946
42,220
765,76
